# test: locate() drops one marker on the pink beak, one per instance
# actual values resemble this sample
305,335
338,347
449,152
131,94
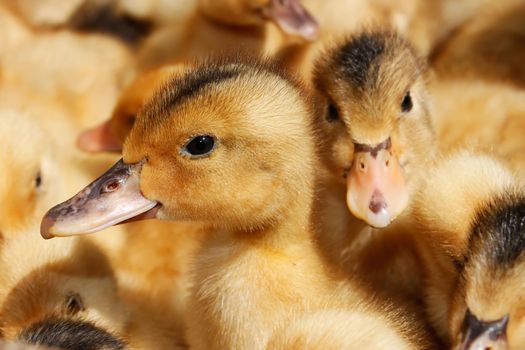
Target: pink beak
376,189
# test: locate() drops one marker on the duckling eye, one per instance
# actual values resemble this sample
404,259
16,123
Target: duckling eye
199,146
38,180
130,119
333,114
406,104
74,304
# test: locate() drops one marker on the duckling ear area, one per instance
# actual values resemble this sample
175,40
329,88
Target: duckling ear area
111,199
293,18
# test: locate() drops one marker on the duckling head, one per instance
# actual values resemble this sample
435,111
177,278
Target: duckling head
289,15
109,136
26,186
225,143
375,122
487,310
56,293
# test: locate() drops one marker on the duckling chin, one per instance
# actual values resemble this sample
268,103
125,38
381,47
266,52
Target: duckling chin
376,122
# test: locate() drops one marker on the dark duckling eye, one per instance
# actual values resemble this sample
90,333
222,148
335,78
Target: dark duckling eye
199,146
38,180
406,104
74,304
130,119
333,114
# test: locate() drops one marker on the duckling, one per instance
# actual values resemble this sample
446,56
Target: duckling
374,117
63,283
26,189
110,135
226,26
159,268
377,121
488,47
290,16
231,144
474,250
480,86
64,295
85,73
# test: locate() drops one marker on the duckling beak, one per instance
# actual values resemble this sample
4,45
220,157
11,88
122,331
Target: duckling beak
481,335
376,189
99,139
292,18
113,198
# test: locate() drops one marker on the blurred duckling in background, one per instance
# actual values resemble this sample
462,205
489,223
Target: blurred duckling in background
26,185
64,295
487,48
479,93
195,153
58,294
37,173
110,135
86,73
226,26
474,248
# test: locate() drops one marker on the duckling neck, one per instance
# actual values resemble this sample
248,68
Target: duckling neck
246,282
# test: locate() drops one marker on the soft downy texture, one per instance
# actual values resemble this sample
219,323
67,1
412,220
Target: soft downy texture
374,120
468,241
259,267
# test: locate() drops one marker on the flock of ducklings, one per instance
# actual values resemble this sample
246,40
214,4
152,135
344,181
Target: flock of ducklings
325,174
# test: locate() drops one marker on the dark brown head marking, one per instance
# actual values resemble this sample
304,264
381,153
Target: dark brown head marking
373,150
357,56
500,228
67,334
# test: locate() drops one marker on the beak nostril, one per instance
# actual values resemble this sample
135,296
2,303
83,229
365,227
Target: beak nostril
387,163
363,166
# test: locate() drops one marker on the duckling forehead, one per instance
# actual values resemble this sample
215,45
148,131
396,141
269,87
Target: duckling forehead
181,89
371,59
232,103
499,232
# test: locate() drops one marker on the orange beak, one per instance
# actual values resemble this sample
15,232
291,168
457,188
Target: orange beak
376,189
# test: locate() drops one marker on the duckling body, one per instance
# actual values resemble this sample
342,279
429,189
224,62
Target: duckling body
479,87
260,267
473,241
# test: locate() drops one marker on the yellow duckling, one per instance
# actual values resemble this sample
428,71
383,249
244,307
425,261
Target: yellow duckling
231,145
